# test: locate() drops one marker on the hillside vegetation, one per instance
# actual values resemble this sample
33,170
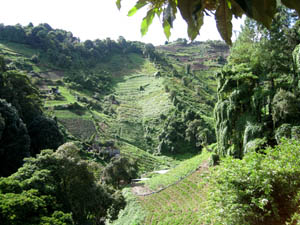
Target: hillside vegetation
213,134
123,104
123,96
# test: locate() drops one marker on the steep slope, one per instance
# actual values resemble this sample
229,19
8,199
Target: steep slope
93,117
180,202
121,95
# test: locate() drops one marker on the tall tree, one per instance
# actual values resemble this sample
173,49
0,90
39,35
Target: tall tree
259,66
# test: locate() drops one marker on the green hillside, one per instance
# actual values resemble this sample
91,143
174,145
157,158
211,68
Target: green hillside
180,198
136,106
126,133
132,100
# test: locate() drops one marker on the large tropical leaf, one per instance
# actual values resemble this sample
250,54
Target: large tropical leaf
147,21
264,11
261,10
118,3
236,9
138,5
223,19
192,13
169,15
209,4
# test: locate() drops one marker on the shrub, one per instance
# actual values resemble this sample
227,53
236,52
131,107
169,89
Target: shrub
259,189
34,59
119,171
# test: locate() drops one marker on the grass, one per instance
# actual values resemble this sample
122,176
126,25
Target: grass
17,49
133,214
177,173
137,106
179,204
66,114
67,95
146,161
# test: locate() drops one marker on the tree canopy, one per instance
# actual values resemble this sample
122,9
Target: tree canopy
193,12
56,188
258,88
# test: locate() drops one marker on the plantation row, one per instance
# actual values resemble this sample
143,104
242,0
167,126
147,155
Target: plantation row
179,204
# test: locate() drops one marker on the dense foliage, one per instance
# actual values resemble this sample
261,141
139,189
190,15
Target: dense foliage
17,89
259,189
119,172
45,134
257,90
14,139
184,131
57,187
23,125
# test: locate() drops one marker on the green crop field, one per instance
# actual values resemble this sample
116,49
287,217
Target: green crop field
183,169
141,99
180,202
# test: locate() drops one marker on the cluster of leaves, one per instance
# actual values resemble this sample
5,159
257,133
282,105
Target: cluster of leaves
257,89
58,188
184,131
24,129
119,172
193,13
259,189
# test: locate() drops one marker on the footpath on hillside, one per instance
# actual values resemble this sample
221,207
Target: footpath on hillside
180,202
140,189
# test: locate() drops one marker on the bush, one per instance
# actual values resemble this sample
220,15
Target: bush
259,189
34,59
119,172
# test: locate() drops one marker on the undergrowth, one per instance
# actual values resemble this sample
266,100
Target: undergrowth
259,189
133,214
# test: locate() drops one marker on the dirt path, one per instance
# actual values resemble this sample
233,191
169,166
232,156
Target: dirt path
140,189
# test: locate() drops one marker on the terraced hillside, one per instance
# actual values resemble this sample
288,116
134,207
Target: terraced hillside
200,55
138,111
142,100
180,202
122,123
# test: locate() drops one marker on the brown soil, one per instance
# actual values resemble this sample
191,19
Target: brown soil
140,189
